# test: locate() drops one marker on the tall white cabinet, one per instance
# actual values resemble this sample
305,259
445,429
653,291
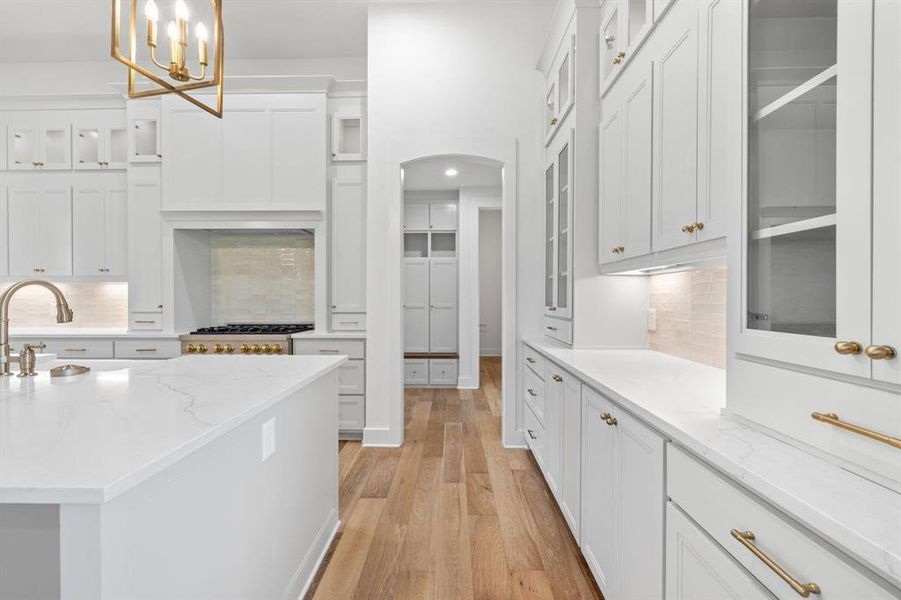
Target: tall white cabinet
347,246
430,293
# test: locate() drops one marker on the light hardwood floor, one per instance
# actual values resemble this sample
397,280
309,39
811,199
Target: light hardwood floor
451,514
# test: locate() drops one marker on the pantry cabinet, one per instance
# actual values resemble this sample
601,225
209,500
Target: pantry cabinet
443,305
347,229
416,305
100,227
40,244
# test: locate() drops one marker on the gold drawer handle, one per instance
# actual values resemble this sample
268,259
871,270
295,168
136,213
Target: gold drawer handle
145,350
144,322
833,419
75,350
746,538
328,350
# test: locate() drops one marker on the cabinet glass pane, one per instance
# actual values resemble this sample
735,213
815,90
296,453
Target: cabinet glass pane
416,245
564,82
549,237
23,147
562,227
791,167
145,137
638,17
609,45
550,110
88,147
118,146
444,244
55,145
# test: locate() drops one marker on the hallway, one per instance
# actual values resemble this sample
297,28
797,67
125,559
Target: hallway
451,514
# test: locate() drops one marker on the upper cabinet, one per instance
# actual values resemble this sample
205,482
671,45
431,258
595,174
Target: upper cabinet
624,28
100,227
100,140
561,87
558,230
41,242
348,136
267,153
144,131
37,141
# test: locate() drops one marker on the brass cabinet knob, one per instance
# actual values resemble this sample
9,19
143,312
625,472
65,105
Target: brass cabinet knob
611,421
553,121
881,352
605,416
277,349
266,349
201,348
256,349
245,349
190,349
557,378
621,55
699,226
853,348
689,228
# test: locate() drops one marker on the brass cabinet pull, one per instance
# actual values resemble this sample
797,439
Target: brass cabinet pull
852,348
145,350
746,538
328,350
75,350
605,416
833,419
699,226
144,321
611,421
557,377
689,228
881,352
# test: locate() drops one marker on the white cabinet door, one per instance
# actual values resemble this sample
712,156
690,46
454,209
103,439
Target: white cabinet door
598,518
144,129
719,110
641,496
565,165
299,148
192,173
55,230
39,140
246,157
4,231
553,428
348,242
698,569
22,148
23,238
41,242
443,217
416,217
443,304
56,148
676,128
145,239
115,222
571,484
88,231
637,114
611,157
416,305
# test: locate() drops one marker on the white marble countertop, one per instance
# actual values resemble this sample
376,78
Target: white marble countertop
86,332
89,438
684,401
330,335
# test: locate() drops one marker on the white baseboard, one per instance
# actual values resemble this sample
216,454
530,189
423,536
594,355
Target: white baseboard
380,437
490,352
311,563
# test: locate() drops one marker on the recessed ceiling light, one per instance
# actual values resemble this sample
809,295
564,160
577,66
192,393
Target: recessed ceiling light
451,172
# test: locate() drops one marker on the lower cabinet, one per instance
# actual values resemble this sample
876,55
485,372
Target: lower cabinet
438,372
351,379
563,423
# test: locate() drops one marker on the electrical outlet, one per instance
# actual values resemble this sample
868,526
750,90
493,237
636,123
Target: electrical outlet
268,438
652,319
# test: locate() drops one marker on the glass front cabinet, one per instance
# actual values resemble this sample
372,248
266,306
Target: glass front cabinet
809,260
558,230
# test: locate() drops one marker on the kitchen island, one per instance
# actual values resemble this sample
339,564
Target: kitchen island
200,477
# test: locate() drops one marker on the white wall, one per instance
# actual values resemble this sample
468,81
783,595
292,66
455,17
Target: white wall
489,282
456,79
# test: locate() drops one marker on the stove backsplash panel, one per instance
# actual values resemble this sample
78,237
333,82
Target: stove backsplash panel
262,277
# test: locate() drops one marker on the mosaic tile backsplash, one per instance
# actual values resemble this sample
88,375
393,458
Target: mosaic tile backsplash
691,314
95,305
262,278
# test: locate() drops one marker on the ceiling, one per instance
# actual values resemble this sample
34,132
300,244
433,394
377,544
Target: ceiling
79,30
428,173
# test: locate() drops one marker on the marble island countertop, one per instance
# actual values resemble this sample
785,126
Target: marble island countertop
685,401
89,438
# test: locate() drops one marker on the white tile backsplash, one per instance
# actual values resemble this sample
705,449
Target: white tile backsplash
94,304
262,278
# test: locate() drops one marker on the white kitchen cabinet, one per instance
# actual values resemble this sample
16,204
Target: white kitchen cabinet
535,438
625,168
698,569
563,426
611,52
416,216
38,140
100,140
347,237
144,131
624,29
40,244
79,348
443,216
558,230
416,305
351,379
561,87
268,153
443,305
145,295
348,136
416,371
553,427
676,129
100,227
443,372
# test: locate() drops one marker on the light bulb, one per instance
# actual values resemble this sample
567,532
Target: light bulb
201,33
181,10
151,11
451,172
172,30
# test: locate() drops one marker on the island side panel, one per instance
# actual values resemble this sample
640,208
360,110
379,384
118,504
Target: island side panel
223,522
29,551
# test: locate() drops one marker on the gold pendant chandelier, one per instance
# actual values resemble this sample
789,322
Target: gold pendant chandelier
177,68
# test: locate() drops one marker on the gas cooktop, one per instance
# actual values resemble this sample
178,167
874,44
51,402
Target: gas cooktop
254,329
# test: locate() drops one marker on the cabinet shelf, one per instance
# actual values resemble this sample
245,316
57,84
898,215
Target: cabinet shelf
796,93
794,227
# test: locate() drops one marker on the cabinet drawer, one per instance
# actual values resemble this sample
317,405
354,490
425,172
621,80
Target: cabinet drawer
147,348
349,322
416,371
534,394
352,348
145,321
442,372
535,437
533,360
350,377
558,329
351,413
719,507
76,348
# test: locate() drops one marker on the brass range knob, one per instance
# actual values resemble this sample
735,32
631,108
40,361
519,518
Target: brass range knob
245,349
852,348
228,348
277,349
881,352
190,349
256,349
266,349
201,348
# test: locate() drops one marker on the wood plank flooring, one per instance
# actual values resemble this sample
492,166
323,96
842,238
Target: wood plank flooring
451,514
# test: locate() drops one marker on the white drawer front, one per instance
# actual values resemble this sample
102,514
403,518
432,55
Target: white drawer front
533,360
534,394
351,377
442,372
416,371
147,348
351,348
80,348
558,329
720,507
351,413
349,322
145,321
535,437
